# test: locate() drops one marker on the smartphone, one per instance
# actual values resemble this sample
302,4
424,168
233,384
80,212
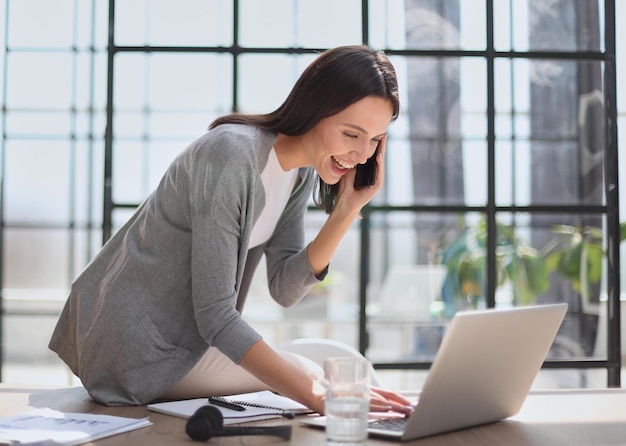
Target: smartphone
366,173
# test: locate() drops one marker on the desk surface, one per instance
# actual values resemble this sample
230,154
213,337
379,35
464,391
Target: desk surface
577,417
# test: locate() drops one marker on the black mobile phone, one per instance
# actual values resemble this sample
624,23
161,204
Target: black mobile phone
366,173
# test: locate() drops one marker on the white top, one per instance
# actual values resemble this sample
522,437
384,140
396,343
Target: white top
278,185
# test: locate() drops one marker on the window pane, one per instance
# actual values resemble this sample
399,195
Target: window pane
256,20
92,24
27,259
37,177
424,24
399,173
39,80
538,260
183,22
266,80
129,179
475,173
407,295
90,125
568,25
512,173
341,27
574,277
90,80
121,216
444,121
88,183
31,356
41,23
162,153
549,126
48,123
404,313
190,82
180,126
128,125
139,166
129,87
298,23
183,82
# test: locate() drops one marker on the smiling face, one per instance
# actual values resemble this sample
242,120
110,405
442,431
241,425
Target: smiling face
339,142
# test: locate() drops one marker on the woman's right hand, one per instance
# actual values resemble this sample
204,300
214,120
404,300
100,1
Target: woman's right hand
386,401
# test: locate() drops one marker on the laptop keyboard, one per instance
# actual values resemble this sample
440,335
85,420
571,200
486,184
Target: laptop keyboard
389,424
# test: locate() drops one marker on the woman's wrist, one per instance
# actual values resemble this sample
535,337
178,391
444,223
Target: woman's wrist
345,213
317,398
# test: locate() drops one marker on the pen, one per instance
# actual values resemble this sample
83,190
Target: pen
226,404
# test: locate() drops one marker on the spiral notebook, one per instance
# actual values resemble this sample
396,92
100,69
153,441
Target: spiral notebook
258,406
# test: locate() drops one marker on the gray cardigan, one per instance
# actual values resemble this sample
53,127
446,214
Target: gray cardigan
170,282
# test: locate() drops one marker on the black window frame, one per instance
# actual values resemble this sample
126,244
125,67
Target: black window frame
611,210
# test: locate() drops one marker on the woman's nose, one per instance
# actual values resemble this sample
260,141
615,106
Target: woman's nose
363,154
361,158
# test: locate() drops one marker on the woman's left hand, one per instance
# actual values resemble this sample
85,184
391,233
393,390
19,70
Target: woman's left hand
385,401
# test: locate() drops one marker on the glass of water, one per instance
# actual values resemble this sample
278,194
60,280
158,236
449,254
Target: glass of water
347,382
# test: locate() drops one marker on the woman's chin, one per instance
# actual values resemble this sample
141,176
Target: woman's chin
334,176
331,179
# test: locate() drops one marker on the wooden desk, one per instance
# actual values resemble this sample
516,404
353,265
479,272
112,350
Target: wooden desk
579,417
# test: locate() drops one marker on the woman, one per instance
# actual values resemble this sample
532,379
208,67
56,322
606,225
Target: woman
156,314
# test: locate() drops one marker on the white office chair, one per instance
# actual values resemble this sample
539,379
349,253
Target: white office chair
318,349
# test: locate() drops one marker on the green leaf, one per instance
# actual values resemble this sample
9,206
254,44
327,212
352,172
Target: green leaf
552,261
569,263
595,255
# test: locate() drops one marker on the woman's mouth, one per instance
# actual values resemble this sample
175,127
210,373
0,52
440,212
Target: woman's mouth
341,164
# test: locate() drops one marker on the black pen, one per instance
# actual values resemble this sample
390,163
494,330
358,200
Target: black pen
226,404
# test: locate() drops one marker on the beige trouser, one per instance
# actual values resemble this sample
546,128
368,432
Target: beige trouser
215,374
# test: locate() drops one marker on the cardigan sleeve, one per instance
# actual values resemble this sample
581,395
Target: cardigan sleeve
224,188
289,272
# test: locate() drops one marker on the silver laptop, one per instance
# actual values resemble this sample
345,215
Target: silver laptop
482,373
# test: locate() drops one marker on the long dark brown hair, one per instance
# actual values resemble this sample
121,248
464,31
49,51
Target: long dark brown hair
336,79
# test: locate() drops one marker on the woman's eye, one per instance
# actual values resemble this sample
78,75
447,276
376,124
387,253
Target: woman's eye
350,135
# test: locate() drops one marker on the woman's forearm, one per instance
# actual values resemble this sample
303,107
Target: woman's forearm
322,249
285,378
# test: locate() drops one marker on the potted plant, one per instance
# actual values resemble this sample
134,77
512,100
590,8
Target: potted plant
577,254
517,263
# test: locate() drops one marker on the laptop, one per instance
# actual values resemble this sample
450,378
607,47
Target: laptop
482,373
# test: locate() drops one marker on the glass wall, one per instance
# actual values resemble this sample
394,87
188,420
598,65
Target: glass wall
499,169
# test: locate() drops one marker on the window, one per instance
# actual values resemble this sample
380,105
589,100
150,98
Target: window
505,146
